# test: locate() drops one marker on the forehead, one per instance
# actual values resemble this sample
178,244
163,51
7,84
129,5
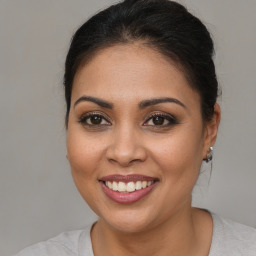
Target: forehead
130,72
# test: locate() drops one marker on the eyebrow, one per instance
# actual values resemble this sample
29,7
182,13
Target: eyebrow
101,103
150,102
143,104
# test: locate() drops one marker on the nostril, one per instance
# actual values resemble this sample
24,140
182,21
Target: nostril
126,151
124,162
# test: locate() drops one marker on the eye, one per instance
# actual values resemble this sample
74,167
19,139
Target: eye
160,120
94,119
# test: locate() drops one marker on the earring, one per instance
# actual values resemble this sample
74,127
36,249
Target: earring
209,155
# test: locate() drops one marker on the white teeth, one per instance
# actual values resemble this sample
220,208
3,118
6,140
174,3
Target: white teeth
121,187
128,187
114,186
144,184
138,185
109,184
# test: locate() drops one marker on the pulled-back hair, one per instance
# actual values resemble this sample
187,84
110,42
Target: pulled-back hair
163,25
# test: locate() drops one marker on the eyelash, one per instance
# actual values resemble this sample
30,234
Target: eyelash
83,120
169,118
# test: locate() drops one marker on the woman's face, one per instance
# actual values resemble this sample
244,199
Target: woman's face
135,137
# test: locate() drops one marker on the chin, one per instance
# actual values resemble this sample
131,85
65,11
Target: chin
129,220
128,226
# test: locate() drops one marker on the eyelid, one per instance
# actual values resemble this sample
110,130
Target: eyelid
172,120
87,115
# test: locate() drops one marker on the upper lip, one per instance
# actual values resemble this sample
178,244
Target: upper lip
128,178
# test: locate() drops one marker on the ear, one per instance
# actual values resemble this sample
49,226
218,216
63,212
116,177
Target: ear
211,130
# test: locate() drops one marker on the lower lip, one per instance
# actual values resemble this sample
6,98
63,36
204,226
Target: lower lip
128,197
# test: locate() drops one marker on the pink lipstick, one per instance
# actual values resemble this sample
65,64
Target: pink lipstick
126,189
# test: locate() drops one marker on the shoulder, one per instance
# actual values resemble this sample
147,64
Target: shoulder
65,244
232,238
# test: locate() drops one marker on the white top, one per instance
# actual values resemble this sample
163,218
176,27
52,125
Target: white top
229,239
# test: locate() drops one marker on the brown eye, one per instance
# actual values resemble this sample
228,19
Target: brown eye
95,120
158,120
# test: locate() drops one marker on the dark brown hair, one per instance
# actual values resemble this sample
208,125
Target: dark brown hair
164,25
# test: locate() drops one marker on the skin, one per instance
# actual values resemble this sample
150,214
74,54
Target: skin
127,142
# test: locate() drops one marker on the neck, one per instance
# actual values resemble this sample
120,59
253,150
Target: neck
179,235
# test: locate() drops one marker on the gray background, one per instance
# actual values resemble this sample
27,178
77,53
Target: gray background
37,197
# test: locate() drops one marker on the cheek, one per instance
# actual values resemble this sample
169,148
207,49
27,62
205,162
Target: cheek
84,156
83,152
179,155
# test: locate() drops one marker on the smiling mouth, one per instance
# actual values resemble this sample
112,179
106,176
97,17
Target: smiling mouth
128,188
131,186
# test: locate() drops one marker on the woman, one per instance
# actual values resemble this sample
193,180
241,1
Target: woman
141,92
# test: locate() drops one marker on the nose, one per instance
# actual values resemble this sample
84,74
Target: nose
126,147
